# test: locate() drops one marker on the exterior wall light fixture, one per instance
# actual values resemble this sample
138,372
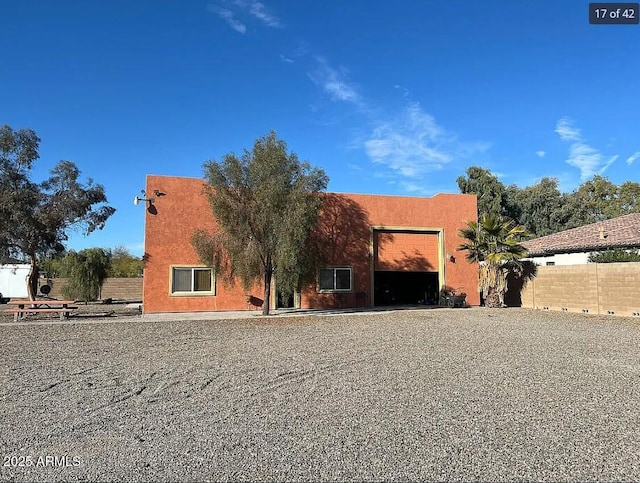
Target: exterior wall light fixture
137,199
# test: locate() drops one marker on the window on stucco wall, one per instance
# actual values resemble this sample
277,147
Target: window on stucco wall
192,281
335,279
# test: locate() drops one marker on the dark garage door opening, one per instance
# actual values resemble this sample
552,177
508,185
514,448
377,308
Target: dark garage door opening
401,288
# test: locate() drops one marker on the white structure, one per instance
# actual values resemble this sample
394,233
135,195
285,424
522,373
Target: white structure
13,281
573,247
578,258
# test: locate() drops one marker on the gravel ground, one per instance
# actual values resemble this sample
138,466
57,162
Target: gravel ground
445,394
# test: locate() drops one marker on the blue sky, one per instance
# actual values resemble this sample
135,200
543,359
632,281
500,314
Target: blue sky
387,97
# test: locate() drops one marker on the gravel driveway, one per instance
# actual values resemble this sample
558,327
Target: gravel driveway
444,394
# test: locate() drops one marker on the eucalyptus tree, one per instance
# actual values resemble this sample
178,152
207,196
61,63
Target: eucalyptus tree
539,207
542,208
35,218
489,189
629,197
265,204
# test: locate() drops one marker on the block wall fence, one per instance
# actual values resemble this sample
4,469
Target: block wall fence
113,288
595,288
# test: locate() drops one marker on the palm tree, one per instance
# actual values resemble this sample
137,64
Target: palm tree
494,242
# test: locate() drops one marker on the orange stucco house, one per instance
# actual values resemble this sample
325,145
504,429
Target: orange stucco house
382,250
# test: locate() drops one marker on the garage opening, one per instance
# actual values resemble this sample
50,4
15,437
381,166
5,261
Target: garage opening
406,266
405,288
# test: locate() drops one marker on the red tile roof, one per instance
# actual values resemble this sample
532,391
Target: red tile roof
620,232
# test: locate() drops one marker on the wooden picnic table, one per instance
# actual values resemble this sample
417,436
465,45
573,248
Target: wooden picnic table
24,307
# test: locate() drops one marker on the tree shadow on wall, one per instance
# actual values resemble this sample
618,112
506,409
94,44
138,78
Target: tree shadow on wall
342,238
517,280
343,230
415,262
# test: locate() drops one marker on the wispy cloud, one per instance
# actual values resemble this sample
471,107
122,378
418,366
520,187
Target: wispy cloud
567,131
414,144
259,11
587,159
541,154
286,59
233,10
334,82
608,163
417,189
633,157
229,17
404,146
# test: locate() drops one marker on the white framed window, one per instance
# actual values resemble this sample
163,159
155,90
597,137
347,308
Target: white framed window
192,281
335,279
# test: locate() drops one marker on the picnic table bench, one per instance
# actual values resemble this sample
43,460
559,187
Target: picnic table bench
24,307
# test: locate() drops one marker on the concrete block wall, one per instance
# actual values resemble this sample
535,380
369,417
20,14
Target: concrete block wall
115,288
619,288
595,288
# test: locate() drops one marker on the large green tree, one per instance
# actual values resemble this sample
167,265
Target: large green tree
538,207
615,255
85,271
629,197
489,189
265,203
542,208
598,197
494,242
35,218
124,264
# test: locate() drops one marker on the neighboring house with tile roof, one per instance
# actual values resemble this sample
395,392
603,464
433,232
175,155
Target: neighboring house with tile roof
573,247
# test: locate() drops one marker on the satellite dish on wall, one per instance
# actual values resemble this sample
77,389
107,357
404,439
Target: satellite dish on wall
136,200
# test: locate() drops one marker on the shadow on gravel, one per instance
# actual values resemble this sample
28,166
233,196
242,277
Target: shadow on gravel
355,310
95,315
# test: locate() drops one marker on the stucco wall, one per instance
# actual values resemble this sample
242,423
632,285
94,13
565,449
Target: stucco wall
600,288
562,259
406,251
182,207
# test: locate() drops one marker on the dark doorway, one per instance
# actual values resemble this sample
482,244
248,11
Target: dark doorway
284,301
402,288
